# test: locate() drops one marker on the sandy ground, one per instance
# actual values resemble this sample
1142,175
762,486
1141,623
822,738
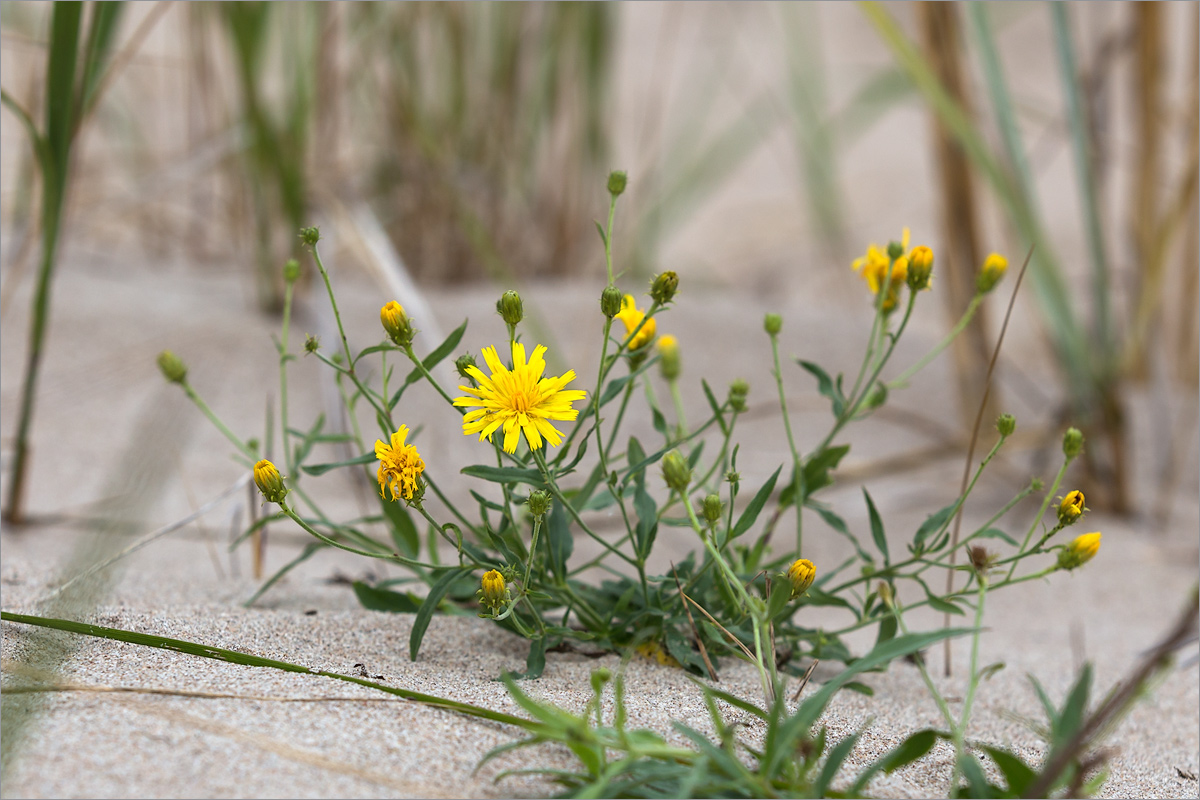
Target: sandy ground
276,734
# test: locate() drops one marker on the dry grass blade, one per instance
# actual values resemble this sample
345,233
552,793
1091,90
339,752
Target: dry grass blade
987,385
712,673
711,619
804,681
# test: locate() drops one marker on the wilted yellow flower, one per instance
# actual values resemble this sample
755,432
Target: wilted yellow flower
655,652
269,481
632,316
400,466
493,594
396,323
520,399
1080,551
1071,508
994,267
801,574
874,269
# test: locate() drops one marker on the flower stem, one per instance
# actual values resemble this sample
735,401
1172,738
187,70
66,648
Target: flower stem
902,380
797,473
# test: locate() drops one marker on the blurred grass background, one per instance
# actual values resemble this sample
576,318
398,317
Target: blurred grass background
767,144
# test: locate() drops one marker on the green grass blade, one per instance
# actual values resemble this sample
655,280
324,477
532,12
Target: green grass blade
247,660
106,15
1081,148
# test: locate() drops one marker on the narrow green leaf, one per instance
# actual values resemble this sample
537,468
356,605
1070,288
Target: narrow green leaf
559,543
751,512
818,467
377,599
404,532
839,525
945,606
825,386
535,662
996,533
436,592
321,469
714,405
1016,772
532,477
647,517
932,524
977,781
1075,706
877,527
833,763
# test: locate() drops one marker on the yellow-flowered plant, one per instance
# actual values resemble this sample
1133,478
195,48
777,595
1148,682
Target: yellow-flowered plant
531,506
518,400
400,467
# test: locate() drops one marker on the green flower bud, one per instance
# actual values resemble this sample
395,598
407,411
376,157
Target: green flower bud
396,324
172,367
310,236
772,324
895,250
617,180
1072,443
737,395
993,269
461,364
676,471
920,268
712,509
671,362
610,301
311,344
1006,424
663,287
291,270
539,503
509,307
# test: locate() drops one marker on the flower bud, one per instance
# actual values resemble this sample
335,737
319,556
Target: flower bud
1079,551
311,344
617,180
886,596
712,509
920,268
676,471
291,270
1006,424
610,301
1072,443
1071,508
509,307
269,481
800,574
462,363
737,395
670,363
895,250
493,594
172,367
663,287
772,324
310,236
396,323
994,267
539,503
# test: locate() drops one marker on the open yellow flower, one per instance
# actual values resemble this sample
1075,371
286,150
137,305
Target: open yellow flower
520,399
632,316
400,466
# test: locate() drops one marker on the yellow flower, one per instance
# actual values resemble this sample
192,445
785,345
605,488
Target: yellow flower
632,317
1080,551
801,574
655,652
492,593
874,269
400,466
920,268
396,323
269,481
1071,508
519,399
993,269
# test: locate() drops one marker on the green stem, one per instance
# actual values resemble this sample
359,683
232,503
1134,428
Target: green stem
797,472
1062,471
929,684
421,367
680,423
399,559
537,527
288,292
560,497
902,380
216,421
